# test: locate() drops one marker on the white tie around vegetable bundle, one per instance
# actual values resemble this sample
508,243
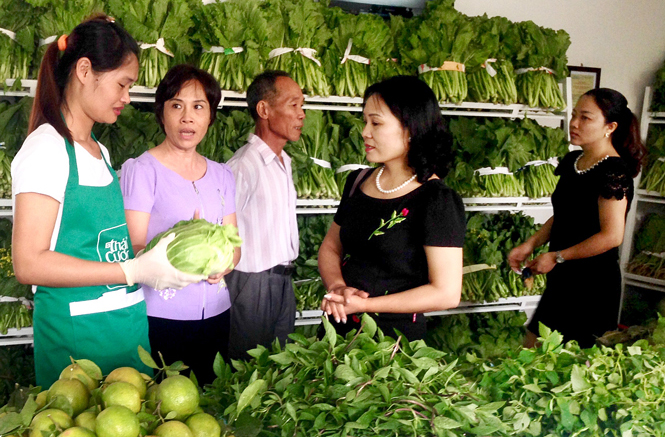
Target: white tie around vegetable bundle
200,247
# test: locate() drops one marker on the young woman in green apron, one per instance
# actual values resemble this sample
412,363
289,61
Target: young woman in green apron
70,236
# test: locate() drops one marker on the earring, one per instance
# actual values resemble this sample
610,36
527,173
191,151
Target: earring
607,134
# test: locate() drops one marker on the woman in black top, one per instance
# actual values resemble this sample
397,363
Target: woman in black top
590,203
395,247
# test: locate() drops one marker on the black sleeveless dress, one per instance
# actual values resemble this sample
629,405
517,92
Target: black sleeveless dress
582,298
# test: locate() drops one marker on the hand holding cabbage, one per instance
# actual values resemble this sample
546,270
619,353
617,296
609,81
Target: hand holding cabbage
200,247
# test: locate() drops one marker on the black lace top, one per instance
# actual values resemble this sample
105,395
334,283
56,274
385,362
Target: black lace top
575,199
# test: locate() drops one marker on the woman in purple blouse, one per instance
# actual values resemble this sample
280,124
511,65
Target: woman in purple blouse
173,182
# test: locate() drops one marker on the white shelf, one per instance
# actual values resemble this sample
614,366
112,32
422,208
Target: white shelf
313,317
644,282
649,196
17,336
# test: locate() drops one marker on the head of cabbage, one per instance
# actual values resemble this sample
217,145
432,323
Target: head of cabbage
200,247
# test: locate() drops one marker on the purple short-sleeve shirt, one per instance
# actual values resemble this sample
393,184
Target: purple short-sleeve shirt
148,186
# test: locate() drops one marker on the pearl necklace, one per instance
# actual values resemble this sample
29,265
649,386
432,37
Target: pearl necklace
590,168
378,184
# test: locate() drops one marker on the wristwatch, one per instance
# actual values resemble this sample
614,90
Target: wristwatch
559,258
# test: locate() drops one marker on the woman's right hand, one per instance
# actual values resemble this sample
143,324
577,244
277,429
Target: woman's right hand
518,255
338,296
153,269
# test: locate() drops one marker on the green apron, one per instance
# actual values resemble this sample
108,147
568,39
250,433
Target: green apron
103,323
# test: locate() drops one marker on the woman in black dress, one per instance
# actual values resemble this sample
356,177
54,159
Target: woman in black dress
395,247
590,203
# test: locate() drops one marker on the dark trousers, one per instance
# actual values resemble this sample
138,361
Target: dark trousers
263,308
194,342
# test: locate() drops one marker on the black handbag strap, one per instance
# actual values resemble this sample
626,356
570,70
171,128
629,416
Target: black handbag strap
359,179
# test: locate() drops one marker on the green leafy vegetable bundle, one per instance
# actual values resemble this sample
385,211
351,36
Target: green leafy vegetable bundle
440,39
658,97
312,229
540,59
359,48
161,27
200,247
297,36
233,35
653,176
649,248
132,134
18,20
312,172
60,17
228,133
14,120
489,239
351,152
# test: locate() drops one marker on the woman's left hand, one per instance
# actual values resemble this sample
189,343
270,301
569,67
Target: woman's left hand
333,305
542,264
214,279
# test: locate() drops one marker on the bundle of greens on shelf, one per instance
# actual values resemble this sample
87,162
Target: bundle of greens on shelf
351,153
480,71
312,229
228,133
658,90
133,133
550,145
233,35
200,247
540,60
653,175
649,248
14,120
489,239
6,226
504,80
297,36
312,171
17,39
359,48
438,43
161,27
309,294
486,335
59,17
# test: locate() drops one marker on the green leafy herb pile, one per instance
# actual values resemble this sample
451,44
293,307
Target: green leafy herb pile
368,384
351,149
133,133
489,239
653,176
649,248
299,25
536,47
15,298
148,21
308,287
229,26
16,51
515,146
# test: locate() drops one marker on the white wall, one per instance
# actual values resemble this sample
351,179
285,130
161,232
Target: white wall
625,38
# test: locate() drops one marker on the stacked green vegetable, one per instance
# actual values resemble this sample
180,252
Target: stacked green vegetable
351,152
649,248
440,39
653,176
59,17
312,172
200,247
13,131
540,60
154,22
15,298
233,35
299,26
17,39
133,133
228,133
658,89
369,43
488,241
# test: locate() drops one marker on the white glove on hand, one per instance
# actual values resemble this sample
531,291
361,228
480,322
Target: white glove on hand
153,269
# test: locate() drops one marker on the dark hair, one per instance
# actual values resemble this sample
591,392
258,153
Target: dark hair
173,82
99,39
626,137
263,88
416,107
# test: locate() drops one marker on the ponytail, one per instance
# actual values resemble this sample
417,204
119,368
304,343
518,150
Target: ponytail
626,137
99,39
